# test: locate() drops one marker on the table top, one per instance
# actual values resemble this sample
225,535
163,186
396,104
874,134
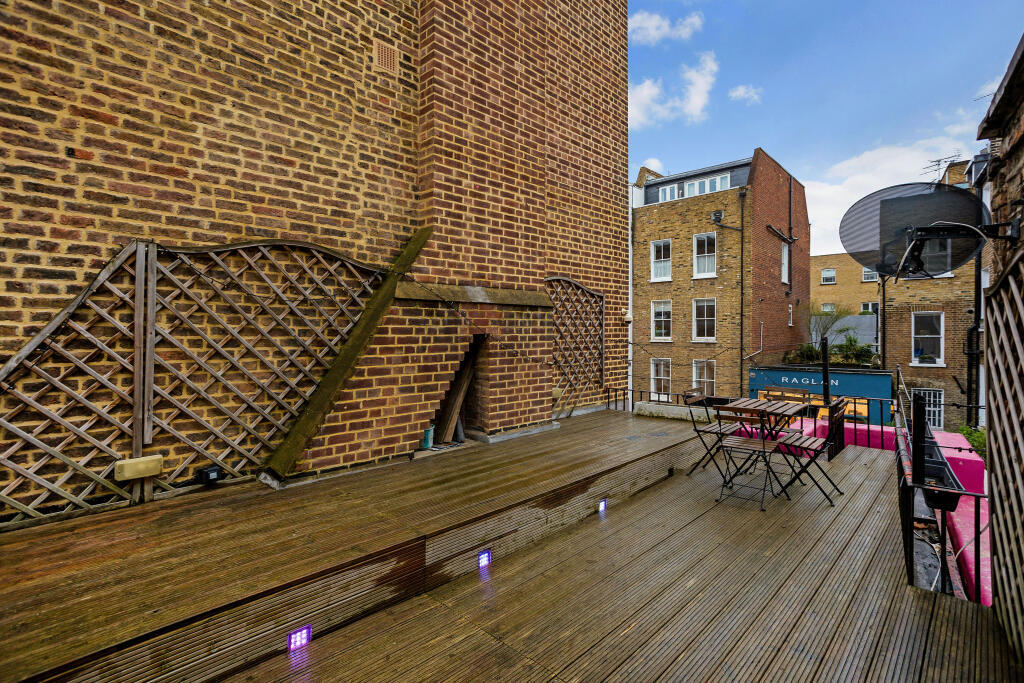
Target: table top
781,408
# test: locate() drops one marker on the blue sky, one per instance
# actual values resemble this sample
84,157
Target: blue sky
848,96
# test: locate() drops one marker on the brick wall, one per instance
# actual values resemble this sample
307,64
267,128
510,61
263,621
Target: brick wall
849,291
504,129
679,221
953,297
769,297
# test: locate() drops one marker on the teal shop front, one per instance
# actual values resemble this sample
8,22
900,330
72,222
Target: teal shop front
842,382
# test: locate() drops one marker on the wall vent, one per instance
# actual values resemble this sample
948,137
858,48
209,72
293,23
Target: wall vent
385,57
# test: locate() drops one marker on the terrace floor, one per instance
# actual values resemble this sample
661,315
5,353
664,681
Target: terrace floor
671,585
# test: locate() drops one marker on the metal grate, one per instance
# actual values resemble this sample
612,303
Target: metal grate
201,355
579,342
1004,367
385,57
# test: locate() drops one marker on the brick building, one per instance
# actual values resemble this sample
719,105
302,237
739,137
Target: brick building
924,324
350,125
720,262
838,282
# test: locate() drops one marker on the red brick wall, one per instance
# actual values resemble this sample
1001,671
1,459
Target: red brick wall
187,123
768,204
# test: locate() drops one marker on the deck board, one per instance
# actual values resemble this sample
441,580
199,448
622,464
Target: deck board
672,584
96,581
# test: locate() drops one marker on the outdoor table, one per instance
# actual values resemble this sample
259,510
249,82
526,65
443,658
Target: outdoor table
778,412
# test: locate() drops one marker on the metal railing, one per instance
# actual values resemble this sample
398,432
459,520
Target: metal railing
921,467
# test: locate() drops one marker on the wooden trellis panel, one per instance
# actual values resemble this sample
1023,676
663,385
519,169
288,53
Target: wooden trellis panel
579,342
202,355
1004,363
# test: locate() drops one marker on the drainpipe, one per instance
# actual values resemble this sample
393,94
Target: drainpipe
881,322
762,344
629,301
789,265
743,204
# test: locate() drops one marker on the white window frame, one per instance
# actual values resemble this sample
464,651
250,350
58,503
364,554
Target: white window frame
653,304
791,315
871,307
928,246
940,362
714,257
826,270
934,408
702,383
868,275
831,308
661,395
654,244
692,188
668,193
786,249
704,340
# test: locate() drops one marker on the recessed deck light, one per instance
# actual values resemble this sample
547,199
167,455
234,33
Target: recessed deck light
300,638
483,558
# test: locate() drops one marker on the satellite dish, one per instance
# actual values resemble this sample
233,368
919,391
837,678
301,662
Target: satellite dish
917,229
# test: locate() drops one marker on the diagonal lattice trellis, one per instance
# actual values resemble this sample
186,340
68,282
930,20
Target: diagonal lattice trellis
579,342
202,355
1004,367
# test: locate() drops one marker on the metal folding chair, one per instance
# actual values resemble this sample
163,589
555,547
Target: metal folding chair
752,445
805,450
710,433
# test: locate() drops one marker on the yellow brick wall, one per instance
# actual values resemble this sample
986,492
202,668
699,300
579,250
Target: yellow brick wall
850,290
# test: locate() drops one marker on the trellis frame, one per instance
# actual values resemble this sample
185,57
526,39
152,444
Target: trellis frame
1004,362
579,348
231,340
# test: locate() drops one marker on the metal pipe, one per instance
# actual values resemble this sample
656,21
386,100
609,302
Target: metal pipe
743,204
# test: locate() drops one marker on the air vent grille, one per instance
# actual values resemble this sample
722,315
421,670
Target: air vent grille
385,57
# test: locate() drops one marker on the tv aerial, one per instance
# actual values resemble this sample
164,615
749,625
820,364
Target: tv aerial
919,229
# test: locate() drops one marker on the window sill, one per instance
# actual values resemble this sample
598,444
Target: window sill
663,279
927,365
925,277
711,340
661,340
827,284
705,277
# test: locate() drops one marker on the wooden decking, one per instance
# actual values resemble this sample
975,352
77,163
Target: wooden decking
197,584
671,585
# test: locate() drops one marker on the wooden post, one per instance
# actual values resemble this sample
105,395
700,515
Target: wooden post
326,394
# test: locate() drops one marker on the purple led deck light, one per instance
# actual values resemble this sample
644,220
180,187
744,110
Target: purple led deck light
483,558
300,638
602,505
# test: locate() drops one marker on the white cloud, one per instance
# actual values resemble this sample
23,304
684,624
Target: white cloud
648,28
990,87
746,93
844,183
654,164
699,80
649,103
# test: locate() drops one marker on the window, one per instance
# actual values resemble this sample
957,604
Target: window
934,414
661,379
791,315
704,255
661,260
935,258
706,185
828,308
868,275
869,307
661,320
928,339
785,262
828,276
667,193
704,320
704,376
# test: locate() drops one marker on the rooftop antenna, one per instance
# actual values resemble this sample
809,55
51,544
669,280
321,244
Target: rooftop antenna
936,166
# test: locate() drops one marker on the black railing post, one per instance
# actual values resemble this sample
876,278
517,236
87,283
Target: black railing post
917,434
977,550
906,502
826,391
